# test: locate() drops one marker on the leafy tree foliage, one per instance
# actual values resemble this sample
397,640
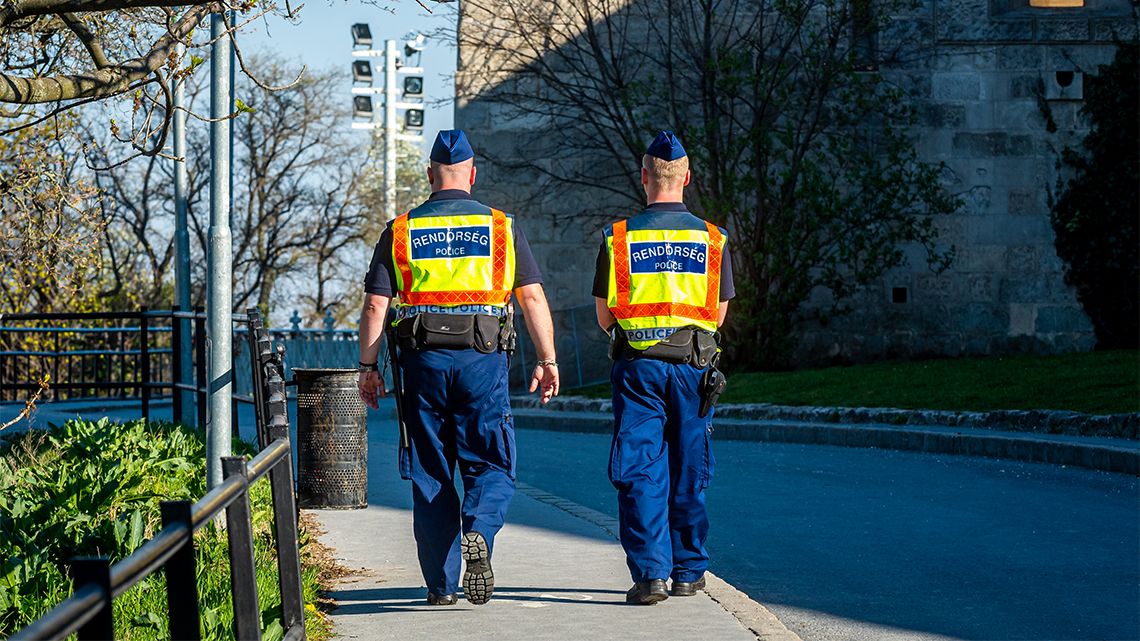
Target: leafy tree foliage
47,257
1096,214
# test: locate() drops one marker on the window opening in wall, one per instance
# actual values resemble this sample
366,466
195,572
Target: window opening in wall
899,294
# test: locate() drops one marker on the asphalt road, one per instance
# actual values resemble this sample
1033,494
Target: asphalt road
845,543
858,544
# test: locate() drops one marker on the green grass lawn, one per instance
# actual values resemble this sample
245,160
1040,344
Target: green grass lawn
1096,382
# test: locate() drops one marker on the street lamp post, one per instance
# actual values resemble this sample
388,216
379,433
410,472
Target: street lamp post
389,129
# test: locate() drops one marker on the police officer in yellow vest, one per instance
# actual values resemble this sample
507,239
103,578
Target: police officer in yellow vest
452,264
663,281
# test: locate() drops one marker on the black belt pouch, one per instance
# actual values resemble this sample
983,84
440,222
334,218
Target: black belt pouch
487,331
677,348
445,331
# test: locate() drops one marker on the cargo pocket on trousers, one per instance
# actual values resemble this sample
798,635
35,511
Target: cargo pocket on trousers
710,461
405,458
507,434
614,470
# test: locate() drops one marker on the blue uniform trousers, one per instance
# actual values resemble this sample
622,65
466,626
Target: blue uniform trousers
660,462
457,410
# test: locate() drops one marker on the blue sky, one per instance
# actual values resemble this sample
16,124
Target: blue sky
321,40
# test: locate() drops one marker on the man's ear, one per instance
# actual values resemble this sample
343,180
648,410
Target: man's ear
688,175
430,175
472,174
644,176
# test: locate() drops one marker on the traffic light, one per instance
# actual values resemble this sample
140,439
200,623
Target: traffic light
414,118
413,86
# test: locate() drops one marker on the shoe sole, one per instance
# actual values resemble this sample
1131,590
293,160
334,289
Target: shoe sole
478,579
650,599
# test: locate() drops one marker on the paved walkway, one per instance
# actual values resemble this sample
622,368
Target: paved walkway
559,574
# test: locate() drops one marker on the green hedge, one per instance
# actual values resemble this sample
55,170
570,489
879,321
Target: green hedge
93,489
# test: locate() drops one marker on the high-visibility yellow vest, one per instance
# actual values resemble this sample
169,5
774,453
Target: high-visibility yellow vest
661,280
451,260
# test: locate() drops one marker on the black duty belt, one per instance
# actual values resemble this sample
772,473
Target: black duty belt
687,345
481,332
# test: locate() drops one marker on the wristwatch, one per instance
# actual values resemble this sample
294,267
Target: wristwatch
369,367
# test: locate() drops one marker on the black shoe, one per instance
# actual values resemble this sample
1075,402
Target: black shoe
442,599
478,579
647,592
681,588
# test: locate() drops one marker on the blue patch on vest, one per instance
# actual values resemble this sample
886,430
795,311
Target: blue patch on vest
660,256
450,242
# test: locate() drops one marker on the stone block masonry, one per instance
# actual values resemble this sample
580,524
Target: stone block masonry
978,72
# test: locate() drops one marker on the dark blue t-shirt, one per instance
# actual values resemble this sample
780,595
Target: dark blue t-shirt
662,216
381,275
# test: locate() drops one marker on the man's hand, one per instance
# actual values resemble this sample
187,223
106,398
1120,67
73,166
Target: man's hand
370,386
545,380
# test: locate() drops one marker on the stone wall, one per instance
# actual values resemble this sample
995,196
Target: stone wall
983,73
993,71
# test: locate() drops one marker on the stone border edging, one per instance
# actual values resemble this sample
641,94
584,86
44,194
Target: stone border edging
751,614
1125,426
1095,453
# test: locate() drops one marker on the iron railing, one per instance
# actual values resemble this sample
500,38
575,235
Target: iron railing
133,355
88,610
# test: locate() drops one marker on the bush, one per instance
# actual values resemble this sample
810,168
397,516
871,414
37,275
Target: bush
93,489
1095,217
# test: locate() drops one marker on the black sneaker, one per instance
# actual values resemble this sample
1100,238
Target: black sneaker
647,592
681,588
478,579
442,599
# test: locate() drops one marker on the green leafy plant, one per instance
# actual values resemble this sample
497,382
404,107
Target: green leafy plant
93,489
1095,217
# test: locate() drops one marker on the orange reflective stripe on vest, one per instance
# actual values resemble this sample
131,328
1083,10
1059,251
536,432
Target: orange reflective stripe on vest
495,292
709,311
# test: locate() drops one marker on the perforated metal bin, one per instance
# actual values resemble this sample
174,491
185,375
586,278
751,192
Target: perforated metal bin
332,440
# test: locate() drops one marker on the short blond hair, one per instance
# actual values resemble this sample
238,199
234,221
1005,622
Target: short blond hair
667,173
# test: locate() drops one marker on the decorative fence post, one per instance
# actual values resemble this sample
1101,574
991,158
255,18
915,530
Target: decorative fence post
243,573
95,571
181,575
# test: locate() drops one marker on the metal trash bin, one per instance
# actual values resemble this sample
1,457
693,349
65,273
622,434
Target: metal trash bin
332,440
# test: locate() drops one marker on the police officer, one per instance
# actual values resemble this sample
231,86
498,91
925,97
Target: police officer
451,264
662,285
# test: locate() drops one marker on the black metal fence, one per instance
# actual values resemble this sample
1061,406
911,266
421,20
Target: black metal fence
88,610
132,355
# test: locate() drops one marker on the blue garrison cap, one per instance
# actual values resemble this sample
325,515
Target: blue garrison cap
666,147
451,147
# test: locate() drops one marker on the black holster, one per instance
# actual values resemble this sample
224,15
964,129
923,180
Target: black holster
712,385
508,338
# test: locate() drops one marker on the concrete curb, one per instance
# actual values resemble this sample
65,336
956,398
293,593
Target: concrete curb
1097,453
1034,421
751,614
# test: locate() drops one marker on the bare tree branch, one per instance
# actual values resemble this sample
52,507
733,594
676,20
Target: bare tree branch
87,37
14,10
106,82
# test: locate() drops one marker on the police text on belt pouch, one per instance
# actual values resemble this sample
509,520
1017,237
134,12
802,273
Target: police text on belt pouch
449,267
662,287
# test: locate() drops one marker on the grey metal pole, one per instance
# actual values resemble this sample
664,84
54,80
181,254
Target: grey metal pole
182,248
233,87
219,265
389,130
